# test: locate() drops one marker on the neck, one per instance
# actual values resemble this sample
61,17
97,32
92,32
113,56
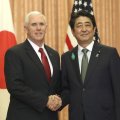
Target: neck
84,44
38,43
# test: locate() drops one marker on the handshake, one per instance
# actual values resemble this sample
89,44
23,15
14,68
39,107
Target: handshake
54,102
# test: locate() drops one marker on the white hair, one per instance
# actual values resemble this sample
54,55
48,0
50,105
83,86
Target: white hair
33,13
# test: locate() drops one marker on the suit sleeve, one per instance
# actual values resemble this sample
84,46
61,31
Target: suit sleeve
65,83
115,75
16,86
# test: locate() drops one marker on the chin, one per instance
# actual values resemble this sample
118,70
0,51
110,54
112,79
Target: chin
85,39
39,38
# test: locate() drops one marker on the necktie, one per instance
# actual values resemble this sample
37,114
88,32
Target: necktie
84,64
45,64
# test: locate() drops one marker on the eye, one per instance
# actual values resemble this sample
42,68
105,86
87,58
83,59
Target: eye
88,25
41,23
79,25
34,24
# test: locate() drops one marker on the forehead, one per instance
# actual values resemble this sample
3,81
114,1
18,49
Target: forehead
37,18
83,19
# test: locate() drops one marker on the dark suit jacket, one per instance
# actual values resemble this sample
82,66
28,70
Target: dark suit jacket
27,83
99,97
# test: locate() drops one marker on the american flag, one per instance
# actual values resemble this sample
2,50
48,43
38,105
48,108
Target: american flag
78,6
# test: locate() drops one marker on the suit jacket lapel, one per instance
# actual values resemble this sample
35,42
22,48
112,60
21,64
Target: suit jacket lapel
95,56
53,61
33,56
75,63
50,57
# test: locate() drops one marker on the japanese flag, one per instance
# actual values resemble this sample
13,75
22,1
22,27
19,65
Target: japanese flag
7,40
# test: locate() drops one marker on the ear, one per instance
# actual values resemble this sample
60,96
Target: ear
46,28
25,28
72,30
46,25
94,29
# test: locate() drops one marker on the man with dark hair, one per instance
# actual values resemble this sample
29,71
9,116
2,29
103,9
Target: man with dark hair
90,74
81,13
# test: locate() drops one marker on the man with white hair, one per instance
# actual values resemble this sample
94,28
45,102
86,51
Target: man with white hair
32,72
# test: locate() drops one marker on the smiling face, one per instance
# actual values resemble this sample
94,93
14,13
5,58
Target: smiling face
36,28
83,30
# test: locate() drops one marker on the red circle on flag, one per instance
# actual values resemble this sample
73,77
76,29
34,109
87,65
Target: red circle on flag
7,40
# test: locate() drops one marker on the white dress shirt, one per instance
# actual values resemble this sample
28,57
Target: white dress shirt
80,53
36,48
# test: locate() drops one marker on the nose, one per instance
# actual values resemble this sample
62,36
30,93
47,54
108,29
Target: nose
83,28
38,27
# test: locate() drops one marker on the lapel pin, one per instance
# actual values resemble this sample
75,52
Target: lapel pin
73,56
97,55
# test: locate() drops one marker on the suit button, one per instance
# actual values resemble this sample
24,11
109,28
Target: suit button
84,89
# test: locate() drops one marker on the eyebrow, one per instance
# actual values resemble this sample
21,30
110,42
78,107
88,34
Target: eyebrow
83,22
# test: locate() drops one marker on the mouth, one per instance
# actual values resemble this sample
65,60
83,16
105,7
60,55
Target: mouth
84,35
39,34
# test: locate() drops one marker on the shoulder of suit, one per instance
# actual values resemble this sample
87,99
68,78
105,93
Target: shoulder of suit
70,51
16,47
107,47
50,49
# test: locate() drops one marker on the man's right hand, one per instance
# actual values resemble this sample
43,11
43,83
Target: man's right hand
54,102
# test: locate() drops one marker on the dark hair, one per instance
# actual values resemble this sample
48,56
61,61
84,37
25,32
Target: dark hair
74,16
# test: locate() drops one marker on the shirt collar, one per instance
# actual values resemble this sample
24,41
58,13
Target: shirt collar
89,47
36,47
